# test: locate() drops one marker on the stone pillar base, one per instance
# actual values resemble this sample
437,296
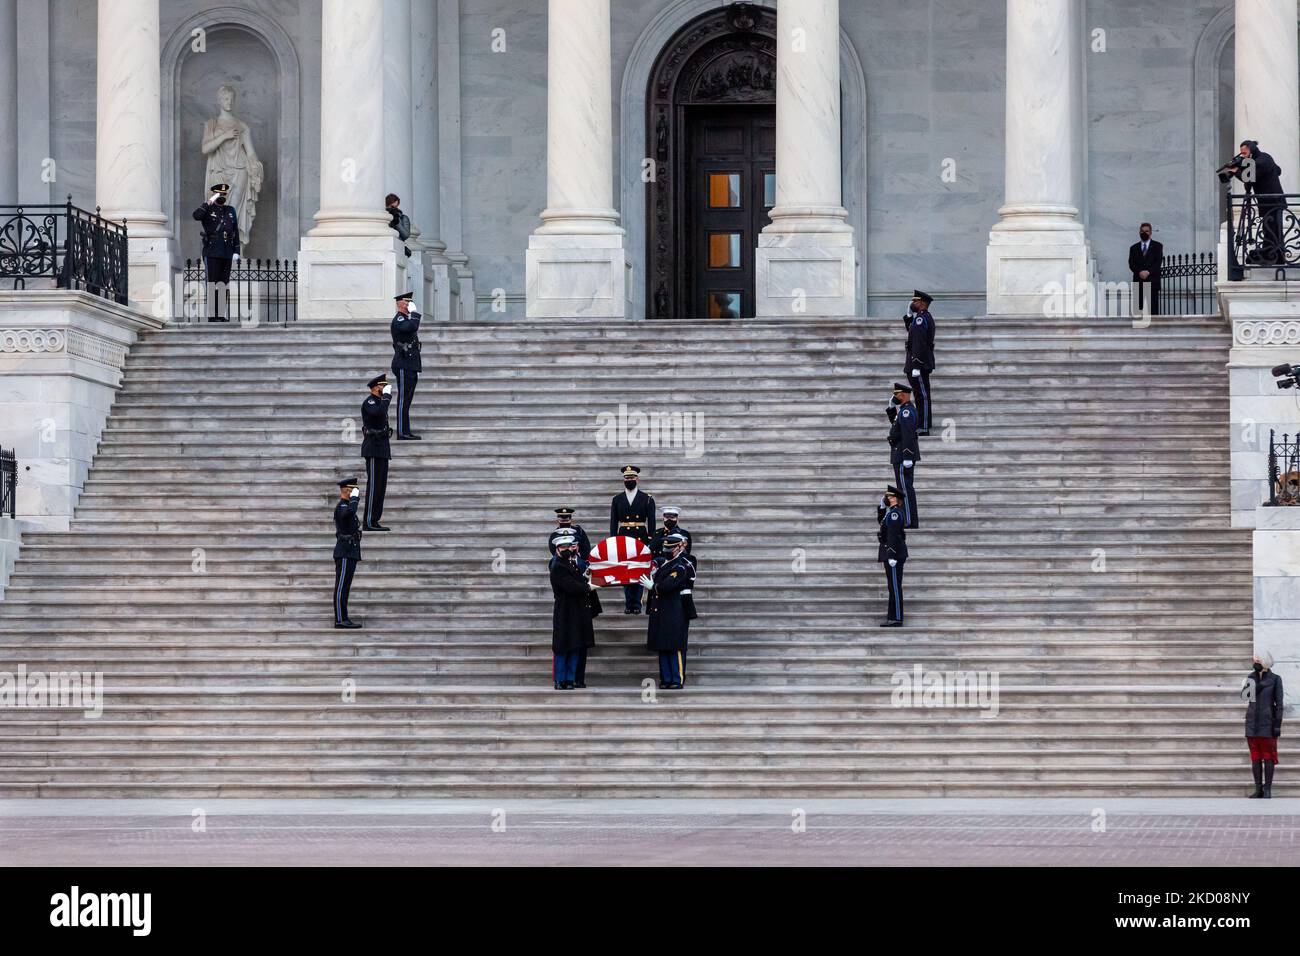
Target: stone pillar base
349,277
1036,271
805,273
150,275
61,357
1277,594
570,275
439,277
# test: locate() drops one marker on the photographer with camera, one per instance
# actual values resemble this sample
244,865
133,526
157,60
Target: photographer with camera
399,221
1262,178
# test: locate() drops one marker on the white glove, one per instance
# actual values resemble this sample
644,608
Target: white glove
916,373
592,587
213,199
646,581
235,257
388,389
355,493
893,562
907,463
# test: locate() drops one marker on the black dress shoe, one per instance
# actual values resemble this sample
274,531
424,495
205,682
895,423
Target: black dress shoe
580,684
348,625
923,431
409,438
559,685
376,527
892,624
568,685
663,685
629,610
674,687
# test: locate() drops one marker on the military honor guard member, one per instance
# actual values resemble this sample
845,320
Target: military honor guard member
670,618
375,448
564,525
669,528
632,514
904,448
406,362
920,353
220,228
576,605
347,549
892,553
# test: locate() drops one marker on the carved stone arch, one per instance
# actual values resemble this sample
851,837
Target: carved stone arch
175,51
1207,209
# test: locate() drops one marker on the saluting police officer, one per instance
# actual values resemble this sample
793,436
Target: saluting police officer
904,448
920,353
669,624
564,525
632,514
892,553
376,449
406,362
347,549
220,227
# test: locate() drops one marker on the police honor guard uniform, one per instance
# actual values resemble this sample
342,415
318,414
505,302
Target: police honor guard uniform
347,551
376,450
905,451
670,620
406,366
220,231
920,356
632,514
892,554
576,604
565,526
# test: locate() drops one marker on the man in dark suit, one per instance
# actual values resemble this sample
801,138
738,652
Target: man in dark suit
1144,258
220,244
632,514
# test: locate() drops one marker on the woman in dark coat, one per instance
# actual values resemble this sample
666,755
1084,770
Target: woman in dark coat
1263,689
575,606
667,607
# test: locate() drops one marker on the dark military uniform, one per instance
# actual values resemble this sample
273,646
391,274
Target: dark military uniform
669,624
220,232
904,446
572,634
920,358
893,545
657,548
347,552
633,519
406,367
377,451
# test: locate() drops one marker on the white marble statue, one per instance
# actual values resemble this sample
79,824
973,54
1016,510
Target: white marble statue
228,145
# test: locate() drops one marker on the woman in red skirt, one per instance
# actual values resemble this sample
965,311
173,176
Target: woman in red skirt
1263,689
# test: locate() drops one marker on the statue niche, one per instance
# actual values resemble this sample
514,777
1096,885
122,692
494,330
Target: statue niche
228,145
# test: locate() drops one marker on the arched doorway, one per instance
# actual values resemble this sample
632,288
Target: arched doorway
711,123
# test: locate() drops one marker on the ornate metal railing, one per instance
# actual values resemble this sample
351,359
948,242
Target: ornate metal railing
259,291
1186,288
1283,469
1263,235
8,482
73,248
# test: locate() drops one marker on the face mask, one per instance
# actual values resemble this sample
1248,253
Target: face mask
1257,667
670,522
221,200
629,485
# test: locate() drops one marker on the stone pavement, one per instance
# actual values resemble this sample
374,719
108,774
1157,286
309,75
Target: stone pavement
951,832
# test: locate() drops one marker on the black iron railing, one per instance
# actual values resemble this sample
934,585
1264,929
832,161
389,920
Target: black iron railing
259,291
8,482
1283,469
73,248
1263,235
1186,288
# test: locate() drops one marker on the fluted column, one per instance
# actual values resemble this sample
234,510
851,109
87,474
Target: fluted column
399,149
575,261
348,263
805,259
9,102
128,145
429,246
1037,253
1267,97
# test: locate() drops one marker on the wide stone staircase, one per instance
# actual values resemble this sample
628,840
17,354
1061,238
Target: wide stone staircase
1074,545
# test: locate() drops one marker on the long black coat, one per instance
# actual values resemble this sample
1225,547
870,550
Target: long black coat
375,431
1264,713
575,605
406,342
669,617
920,341
220,230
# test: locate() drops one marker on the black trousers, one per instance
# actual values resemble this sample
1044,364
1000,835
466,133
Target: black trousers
406,382
921,392
344,568
580,675
894,584
904,481
218,274
376,485
1150,289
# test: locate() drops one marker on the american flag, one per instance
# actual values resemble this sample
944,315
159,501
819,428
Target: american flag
618,560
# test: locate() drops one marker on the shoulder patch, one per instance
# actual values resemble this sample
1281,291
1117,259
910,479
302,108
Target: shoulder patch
905,413
893,516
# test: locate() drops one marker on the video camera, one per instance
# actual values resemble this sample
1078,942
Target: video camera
1226,171
1286,375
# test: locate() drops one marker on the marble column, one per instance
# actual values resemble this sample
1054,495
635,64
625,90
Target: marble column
9,102
805,262
575,263
348,264
432,251
463,301
399,169
1037,257
128,145
1267,97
